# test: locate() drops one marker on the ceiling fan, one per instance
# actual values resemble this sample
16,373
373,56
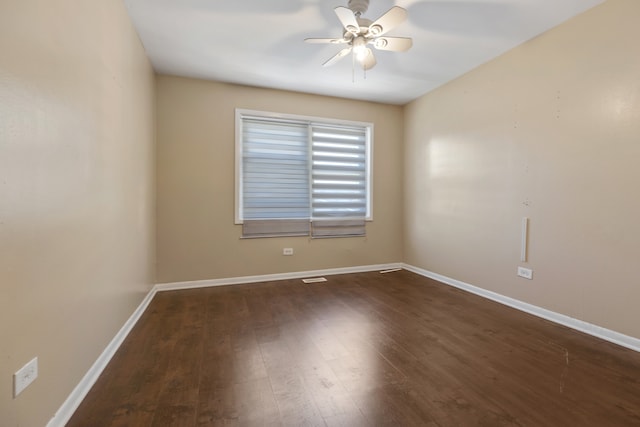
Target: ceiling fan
360,32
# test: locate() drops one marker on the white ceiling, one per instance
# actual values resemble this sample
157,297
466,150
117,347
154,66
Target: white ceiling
260,42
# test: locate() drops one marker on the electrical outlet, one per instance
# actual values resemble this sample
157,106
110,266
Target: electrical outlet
287,251
527,273
25,376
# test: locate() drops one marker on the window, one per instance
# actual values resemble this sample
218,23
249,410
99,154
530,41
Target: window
299,176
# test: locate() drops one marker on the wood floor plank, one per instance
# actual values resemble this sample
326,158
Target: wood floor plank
178,399
363,349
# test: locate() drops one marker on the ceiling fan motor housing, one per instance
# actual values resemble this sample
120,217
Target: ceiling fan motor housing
359,6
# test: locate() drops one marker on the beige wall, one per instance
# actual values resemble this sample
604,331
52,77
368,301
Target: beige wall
551,131
197,238
76,192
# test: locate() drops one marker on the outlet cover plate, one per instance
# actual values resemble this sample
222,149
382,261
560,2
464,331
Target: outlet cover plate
25,376
287,251
527,273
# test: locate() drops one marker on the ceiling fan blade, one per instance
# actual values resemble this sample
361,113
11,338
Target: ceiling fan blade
348,19
337,56
369,61
395,44
334,41
387,22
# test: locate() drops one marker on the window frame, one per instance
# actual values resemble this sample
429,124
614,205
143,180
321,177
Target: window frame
241,113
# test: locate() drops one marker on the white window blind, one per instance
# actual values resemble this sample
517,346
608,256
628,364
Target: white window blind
339,181
276,178
339,172
302,177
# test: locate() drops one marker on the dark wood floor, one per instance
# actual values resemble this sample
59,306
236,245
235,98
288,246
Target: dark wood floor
365,349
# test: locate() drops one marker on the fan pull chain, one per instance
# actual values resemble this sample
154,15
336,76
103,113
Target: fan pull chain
353,68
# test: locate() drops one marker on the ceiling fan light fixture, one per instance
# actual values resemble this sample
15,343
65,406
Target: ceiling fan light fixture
361,55
360,48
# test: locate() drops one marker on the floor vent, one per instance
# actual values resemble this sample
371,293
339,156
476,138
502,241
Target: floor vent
314,280
391,270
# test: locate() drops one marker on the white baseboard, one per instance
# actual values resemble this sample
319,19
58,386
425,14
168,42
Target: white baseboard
65,412
272,277
579,325
80,391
